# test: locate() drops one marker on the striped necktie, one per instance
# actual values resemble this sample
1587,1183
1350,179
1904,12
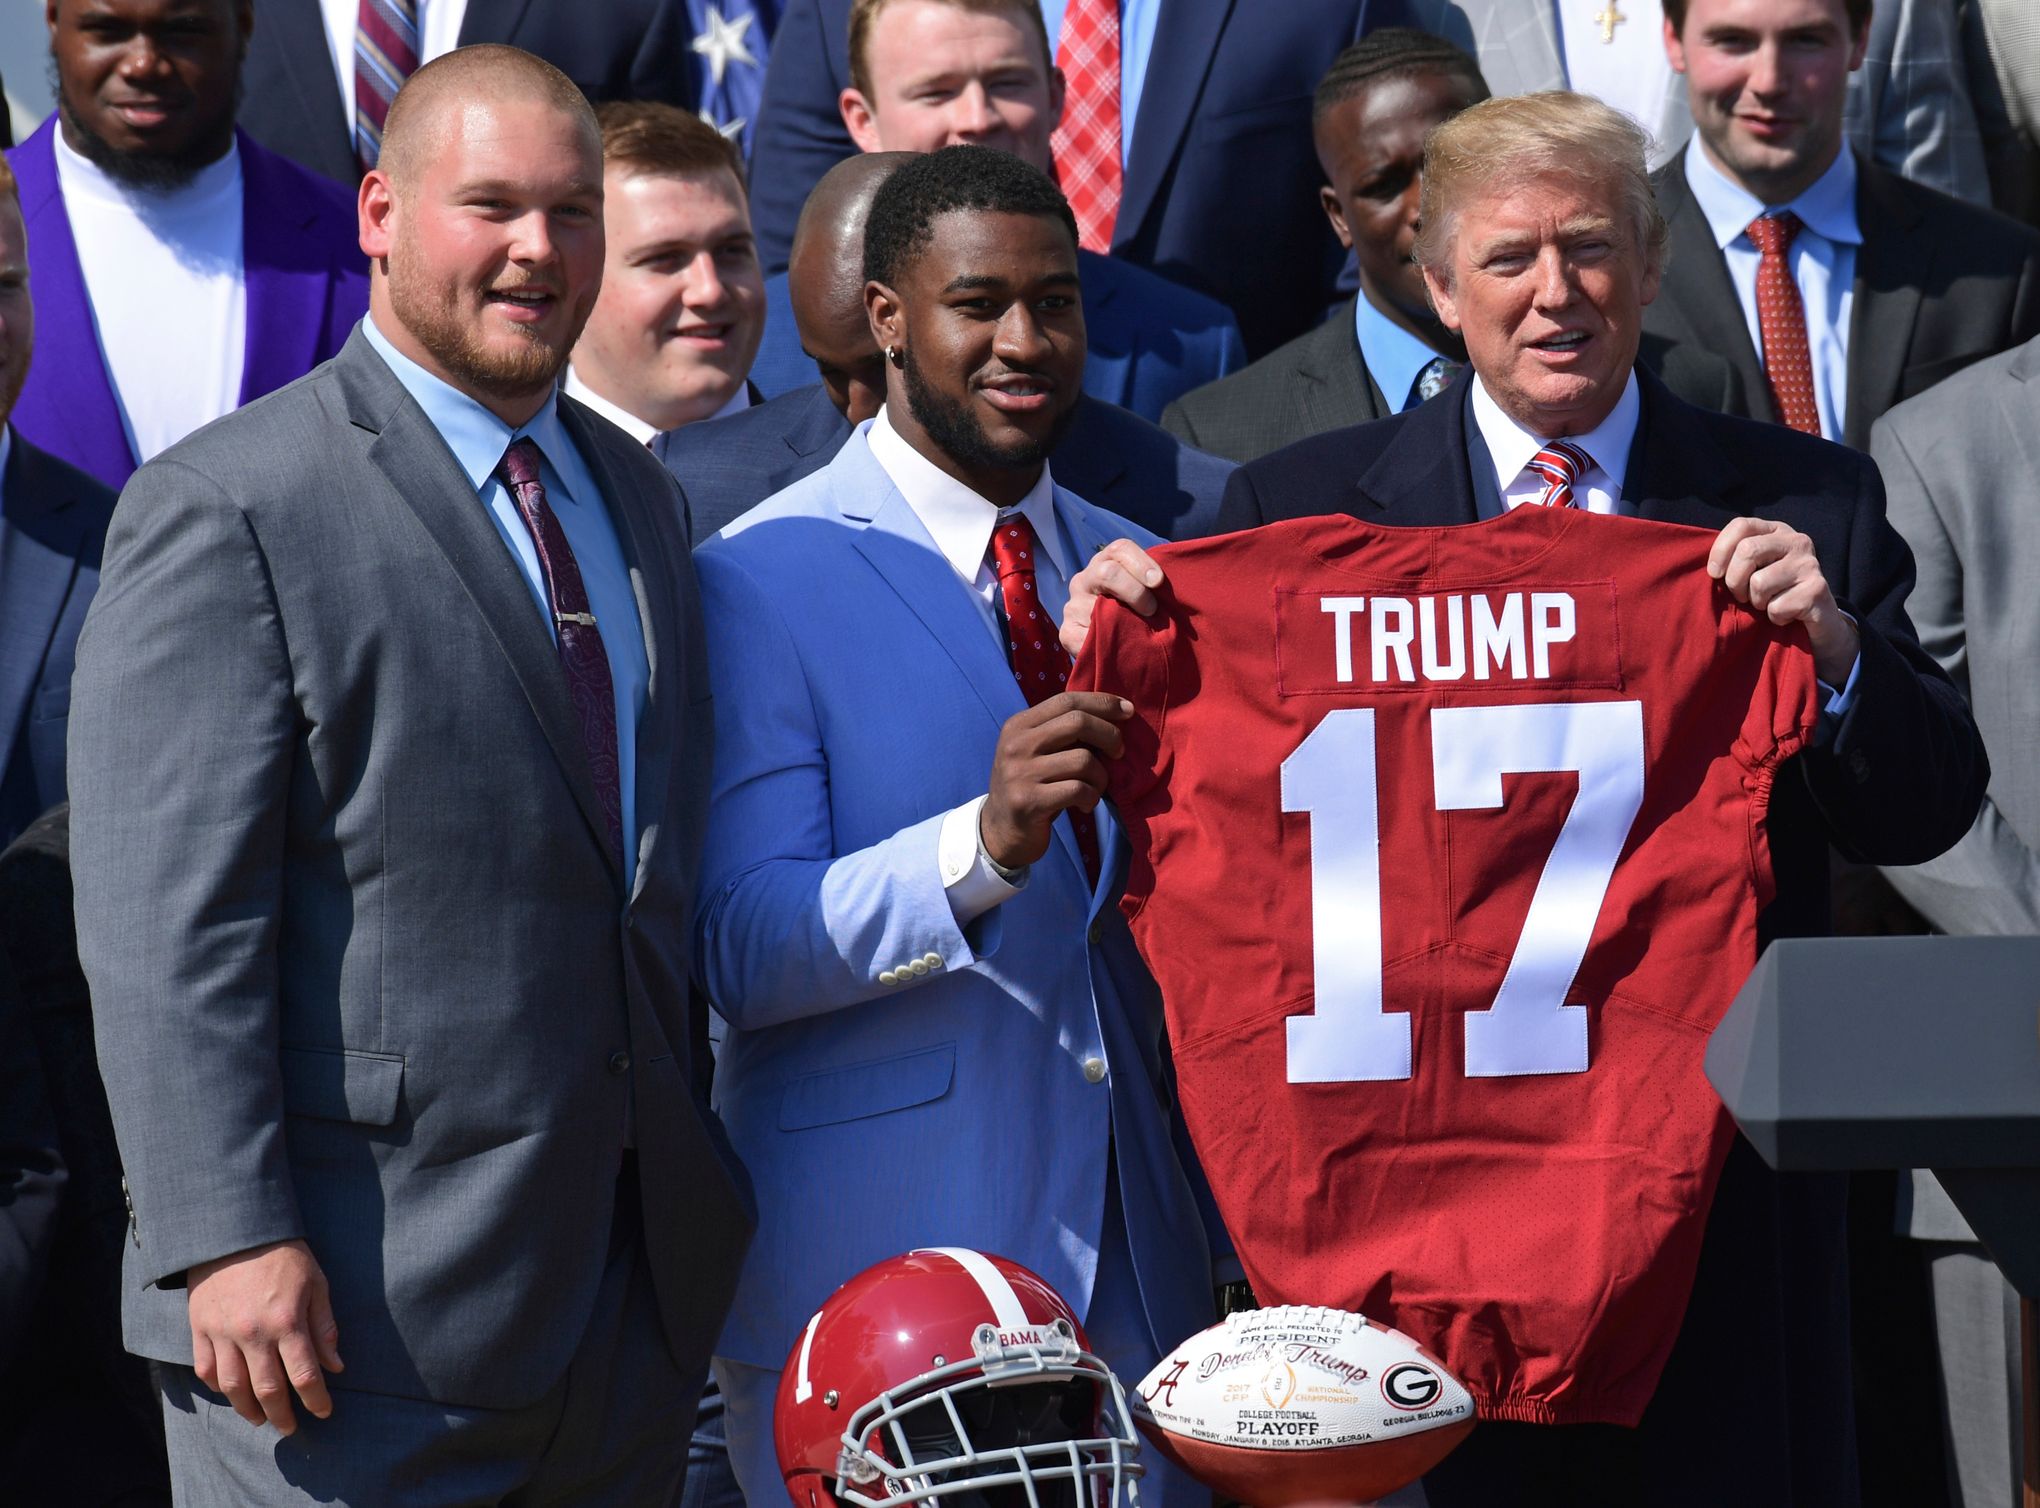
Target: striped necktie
385,54
1561,465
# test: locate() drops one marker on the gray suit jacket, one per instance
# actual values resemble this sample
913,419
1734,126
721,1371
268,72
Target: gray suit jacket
1959,465
362,966
1320,382
1939,284
1908,107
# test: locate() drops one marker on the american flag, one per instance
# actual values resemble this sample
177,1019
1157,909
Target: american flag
730,42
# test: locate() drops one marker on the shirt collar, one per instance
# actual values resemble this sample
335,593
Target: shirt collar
476,437
1511,445
1394,357
959,520
1827,208
616,414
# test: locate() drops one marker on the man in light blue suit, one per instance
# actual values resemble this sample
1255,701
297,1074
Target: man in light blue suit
933,73
927,991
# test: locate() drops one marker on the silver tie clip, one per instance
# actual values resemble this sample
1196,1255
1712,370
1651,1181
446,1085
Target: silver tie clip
586,620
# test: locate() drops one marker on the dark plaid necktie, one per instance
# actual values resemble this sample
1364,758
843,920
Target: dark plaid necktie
582,655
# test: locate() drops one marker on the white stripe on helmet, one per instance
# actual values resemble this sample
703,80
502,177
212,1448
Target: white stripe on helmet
998,1292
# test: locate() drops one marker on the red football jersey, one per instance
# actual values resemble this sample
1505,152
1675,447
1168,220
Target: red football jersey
1448,848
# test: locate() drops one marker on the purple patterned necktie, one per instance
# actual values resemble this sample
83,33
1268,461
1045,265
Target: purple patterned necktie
582,655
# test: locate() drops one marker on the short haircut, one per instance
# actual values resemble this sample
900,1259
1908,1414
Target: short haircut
646,136
1552,134
907,205
864,15
482,71
1394,52
1858,12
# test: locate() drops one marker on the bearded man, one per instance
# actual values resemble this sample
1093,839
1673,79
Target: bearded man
900,916
391,738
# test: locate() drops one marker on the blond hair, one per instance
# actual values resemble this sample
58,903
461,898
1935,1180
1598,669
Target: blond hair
1552,134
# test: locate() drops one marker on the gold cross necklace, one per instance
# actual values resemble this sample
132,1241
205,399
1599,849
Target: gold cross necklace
1608,19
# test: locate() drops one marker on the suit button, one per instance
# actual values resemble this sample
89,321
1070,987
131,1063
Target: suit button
932,960
619,1062
1097,931
918,968
1094,1070
888,978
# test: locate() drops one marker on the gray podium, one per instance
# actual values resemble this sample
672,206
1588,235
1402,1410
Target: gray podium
1842,1054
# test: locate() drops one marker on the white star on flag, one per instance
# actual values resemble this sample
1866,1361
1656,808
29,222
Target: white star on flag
723,42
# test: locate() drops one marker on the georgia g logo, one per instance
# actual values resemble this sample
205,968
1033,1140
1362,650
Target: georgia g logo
1409,1385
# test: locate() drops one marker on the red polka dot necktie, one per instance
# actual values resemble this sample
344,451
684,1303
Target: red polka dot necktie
1037,657
583,658
1781,321
1086,142
1561,465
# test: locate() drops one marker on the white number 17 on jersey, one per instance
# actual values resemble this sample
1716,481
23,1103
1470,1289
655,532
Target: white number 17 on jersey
1529,1028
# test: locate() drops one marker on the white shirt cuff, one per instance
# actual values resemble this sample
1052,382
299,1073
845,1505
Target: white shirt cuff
970,882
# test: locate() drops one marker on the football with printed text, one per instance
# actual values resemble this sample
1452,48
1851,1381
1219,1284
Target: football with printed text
1302,1404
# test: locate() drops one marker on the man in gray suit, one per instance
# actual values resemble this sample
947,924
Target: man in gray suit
389,762
1908,108
1959,464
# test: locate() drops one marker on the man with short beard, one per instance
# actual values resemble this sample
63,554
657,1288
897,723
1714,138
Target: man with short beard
390,742
927,988
182,269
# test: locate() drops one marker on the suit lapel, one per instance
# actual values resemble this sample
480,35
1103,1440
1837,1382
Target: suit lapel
303,53
68,391
414,460
1677,473
1892,265
286,274
43,528
651,581
1084,530
1697,286
900,549
2021,402
1186,40
1424,475
1335,388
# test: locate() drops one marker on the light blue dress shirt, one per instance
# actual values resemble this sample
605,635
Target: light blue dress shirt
1395,358
478,439
1822,260
1136,41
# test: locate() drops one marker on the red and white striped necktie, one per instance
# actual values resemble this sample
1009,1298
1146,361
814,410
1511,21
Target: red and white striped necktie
1561,465
1087,141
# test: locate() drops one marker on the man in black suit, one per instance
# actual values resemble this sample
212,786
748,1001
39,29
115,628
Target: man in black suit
299,85
1885,287
1108,456
1542,246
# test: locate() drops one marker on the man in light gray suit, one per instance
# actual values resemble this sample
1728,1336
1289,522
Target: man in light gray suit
389,761
1959,464
1909,109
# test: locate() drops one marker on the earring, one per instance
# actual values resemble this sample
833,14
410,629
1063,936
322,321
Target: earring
894,355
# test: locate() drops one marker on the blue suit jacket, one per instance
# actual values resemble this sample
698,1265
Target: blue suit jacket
307,288
1109,457
51,535
1221,188
1151,340
859,696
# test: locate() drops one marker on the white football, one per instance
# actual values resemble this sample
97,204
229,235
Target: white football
1301,1404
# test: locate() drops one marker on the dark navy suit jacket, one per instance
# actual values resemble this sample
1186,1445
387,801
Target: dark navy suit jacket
617,49
52,527
1902,772
1114,459
1221,185
1151,340
307,287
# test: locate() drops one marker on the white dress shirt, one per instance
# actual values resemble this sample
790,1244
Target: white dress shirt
1630,71
961,523
653,439
1511,446
1822,261
438,32
163,275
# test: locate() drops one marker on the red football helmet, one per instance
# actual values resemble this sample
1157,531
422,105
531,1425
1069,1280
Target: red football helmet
955,1379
